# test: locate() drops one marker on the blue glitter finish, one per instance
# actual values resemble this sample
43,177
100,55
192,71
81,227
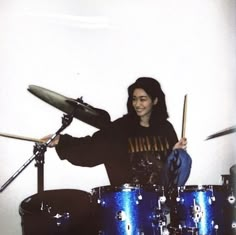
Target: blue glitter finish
128,210
201,207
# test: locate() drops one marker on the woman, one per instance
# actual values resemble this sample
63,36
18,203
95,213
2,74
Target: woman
141,147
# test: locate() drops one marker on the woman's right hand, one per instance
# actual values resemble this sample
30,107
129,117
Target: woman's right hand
53,143
181,144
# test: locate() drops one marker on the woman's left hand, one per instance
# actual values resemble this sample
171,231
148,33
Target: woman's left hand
181,144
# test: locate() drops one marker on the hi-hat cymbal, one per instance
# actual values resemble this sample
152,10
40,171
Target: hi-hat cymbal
93,116
222,133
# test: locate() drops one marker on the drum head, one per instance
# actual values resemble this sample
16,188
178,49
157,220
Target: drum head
56,201
202,188
128,187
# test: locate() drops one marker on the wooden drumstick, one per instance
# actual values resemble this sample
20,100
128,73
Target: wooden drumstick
21,137
184,117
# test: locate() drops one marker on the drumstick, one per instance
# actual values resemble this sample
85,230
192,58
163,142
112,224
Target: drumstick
184,117
21,137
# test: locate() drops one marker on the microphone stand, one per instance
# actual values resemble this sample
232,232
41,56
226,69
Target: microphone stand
39,151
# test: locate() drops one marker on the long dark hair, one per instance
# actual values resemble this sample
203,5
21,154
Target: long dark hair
153,88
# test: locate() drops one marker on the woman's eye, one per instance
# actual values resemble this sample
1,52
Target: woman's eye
135,99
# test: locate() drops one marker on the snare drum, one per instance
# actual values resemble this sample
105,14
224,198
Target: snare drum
201,207
130,209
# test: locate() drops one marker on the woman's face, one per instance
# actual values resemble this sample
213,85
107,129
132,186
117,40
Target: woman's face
142,103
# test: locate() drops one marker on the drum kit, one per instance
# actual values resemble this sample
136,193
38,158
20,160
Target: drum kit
128,209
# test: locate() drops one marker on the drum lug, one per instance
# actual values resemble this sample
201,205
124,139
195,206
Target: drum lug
45,207
100,202
231,199
121,216
60,219
162,199
233,226
213,198
178,199
140,197
197,212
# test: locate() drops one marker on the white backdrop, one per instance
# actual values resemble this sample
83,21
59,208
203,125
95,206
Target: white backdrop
95,49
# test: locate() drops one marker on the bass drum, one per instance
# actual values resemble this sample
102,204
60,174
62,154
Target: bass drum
58,212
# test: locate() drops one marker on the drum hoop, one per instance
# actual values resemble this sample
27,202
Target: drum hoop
179,229
128,187
201,187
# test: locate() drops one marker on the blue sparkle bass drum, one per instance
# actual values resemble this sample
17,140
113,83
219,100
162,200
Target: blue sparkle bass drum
130,209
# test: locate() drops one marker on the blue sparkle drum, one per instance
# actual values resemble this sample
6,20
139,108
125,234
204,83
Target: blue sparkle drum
201,207
130,209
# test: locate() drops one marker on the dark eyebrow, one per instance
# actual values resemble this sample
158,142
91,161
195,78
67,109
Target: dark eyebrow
142,96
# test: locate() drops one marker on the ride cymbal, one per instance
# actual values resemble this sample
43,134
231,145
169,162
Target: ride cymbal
93,116
222,133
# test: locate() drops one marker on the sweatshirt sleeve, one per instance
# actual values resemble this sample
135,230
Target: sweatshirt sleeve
85,151
172,136
91,150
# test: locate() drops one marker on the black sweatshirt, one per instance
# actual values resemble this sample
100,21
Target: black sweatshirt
131,153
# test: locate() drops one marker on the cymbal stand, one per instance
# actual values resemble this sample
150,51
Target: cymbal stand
39,151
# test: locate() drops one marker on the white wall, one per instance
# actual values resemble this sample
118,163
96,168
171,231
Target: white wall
95,49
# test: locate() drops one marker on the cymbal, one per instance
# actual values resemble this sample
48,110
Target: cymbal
93,116
222,133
